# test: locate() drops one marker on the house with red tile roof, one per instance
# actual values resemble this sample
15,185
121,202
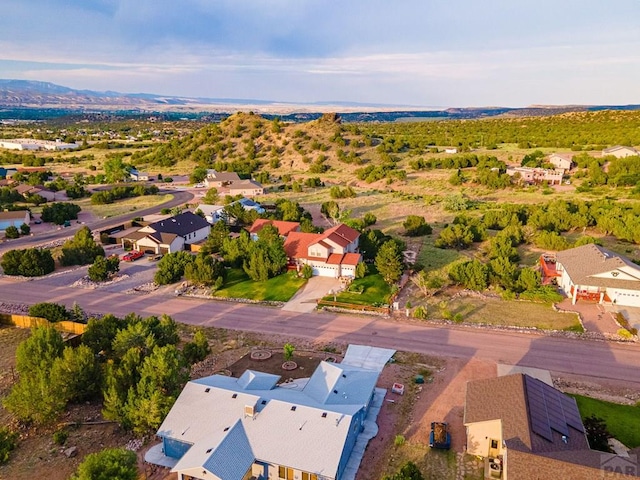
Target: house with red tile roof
284,228
333,253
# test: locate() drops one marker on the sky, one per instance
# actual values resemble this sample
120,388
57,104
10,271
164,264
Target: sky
428,53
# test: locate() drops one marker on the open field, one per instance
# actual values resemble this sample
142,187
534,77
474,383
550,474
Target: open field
495,311
123,206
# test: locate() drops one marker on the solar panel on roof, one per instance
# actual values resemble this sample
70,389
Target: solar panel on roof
550,409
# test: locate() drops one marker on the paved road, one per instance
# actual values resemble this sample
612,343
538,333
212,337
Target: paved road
179,198
559,354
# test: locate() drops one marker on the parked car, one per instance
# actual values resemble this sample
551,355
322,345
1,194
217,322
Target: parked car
440,436
132,256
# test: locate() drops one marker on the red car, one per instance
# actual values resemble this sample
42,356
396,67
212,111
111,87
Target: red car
132,256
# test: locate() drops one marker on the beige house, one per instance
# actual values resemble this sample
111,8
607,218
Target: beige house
562,161
247,188
526,429
333,253
620,151
220,179
536,175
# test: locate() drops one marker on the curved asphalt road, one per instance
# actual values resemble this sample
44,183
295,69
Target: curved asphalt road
605,360
179,198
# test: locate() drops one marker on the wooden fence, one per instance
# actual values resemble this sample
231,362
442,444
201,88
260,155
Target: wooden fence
355,306
26,321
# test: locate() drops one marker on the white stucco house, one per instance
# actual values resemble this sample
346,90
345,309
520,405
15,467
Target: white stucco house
257,427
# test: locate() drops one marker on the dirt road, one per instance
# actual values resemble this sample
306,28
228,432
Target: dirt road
558,354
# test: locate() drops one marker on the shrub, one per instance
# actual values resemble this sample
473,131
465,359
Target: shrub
103,268
25,229
110,463
416,226
11,232
287,351
420,312
7,443
198,349
53,312
307,271
31,262
60,437
399,440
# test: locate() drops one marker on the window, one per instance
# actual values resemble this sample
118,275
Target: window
285,473
309,476
494,443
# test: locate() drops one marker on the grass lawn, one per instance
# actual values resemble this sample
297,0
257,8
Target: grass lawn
375,290
495,311
622,420
276,289
123,206
436,258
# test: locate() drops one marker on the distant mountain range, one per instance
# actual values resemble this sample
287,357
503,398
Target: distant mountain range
32,100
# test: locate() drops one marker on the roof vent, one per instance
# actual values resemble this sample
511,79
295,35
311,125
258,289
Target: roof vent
324,414
293,409
226,429
344,375
235,395
209,450
263,402
335,391
207,390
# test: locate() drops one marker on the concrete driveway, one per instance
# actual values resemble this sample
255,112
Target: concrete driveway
305,299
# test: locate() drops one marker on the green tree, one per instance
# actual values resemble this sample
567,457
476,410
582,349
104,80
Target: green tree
204,270
103,268
81,250
471,274
211,197
53,312
11,232
198,349
389,262
215,240
115,169
198,175
416,226
171,267
101,332
34,397
25,229
361,270
162,377
109,464
76,374
597,433
59,213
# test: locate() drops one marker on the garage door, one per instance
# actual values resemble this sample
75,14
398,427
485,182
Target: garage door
323,271
627,298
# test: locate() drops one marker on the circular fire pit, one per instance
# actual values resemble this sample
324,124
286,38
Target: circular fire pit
260,355
289,365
